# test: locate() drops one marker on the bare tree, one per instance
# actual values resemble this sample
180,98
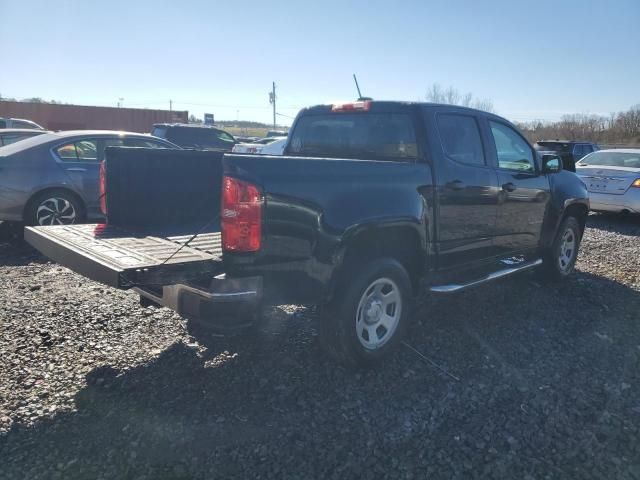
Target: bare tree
452,96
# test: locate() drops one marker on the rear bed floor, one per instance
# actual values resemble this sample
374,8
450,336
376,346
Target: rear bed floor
123,258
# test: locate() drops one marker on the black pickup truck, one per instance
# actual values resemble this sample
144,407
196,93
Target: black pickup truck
372,204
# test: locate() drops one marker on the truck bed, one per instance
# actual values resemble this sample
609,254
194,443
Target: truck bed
123,257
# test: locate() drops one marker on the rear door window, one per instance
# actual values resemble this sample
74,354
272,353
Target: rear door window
80,151
380,136
460,137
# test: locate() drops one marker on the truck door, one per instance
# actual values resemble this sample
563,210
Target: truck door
466,186
524,191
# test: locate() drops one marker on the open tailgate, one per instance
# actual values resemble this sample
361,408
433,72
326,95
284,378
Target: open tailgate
123,258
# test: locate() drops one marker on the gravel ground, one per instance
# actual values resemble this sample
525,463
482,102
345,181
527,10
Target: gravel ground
519,380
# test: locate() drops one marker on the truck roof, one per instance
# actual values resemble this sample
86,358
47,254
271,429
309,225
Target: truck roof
394,105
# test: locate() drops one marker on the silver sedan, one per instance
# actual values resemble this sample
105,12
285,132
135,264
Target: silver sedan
613,180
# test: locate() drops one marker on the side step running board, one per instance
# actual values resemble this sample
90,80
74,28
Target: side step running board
454,287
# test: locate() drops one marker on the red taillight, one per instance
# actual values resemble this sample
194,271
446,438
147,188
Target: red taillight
241,216
103,188
364,106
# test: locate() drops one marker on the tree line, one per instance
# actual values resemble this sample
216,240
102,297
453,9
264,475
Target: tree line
617,128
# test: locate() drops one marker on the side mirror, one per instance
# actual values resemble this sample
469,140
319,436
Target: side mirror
551,163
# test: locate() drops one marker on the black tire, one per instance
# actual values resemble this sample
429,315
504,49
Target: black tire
556,264
54,207
341,319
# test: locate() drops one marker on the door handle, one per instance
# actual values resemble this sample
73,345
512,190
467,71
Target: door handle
455,185
76,169
508,187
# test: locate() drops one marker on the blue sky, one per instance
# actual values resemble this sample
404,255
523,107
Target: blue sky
534,60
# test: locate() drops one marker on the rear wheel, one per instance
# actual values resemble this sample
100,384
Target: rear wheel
560,259
369,315
55,207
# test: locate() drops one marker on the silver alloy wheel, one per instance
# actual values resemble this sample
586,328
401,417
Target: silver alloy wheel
378,313
567,249
56,211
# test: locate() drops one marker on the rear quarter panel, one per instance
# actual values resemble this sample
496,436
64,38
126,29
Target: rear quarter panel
566,190
314,206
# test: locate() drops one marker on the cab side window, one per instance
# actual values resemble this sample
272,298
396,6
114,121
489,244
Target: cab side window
460,138
513,152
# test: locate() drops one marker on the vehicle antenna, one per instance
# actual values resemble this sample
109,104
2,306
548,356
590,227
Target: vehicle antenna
357,87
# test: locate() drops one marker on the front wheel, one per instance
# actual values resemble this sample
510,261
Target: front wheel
560,259
369,313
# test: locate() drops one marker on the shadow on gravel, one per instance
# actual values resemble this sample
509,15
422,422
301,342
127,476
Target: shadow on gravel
14,251
623,224
18,253
549,388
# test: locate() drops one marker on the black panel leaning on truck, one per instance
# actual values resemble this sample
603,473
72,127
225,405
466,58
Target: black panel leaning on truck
372,204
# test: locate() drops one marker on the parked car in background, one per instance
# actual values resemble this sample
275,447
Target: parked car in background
260,145
570,151
276,133
53,178
246,148
12,135
243,139
266,140
274,148
18,123
613,180
199,137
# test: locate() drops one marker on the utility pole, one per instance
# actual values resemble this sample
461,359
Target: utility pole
272,101
171,105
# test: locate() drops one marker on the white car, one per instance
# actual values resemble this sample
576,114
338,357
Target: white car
613,179
18,123
273,146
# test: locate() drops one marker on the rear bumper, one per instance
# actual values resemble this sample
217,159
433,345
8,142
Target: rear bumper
629,202
223,298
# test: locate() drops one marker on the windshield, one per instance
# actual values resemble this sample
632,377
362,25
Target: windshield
385,136
611,159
